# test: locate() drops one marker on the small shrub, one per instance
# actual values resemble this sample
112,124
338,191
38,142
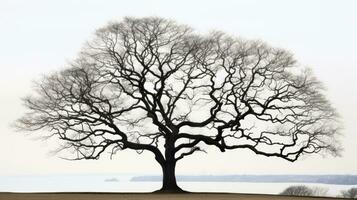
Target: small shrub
319,191
298,190
351,193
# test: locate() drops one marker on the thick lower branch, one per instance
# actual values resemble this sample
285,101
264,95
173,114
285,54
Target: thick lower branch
158,155
291,156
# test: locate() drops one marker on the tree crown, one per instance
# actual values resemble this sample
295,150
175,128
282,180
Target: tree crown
150,84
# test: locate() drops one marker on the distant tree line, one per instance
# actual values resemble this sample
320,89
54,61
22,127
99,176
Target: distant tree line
303,190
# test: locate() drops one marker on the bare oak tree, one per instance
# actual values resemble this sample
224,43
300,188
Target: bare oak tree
150,84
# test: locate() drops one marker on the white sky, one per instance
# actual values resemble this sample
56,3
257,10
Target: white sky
39,36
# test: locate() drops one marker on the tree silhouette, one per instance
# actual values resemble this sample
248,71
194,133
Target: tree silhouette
150,84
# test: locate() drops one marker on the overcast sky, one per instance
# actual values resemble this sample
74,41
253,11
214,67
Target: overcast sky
41,36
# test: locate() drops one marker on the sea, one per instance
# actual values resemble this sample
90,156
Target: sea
123,183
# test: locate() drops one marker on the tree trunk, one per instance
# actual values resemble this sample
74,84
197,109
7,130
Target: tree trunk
169,183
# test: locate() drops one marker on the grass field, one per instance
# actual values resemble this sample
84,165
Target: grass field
147,196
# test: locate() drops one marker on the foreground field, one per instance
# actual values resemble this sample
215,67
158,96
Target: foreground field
146,196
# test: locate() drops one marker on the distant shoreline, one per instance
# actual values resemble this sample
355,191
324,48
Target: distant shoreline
323,179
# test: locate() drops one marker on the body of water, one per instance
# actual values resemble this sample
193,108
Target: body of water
122,183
